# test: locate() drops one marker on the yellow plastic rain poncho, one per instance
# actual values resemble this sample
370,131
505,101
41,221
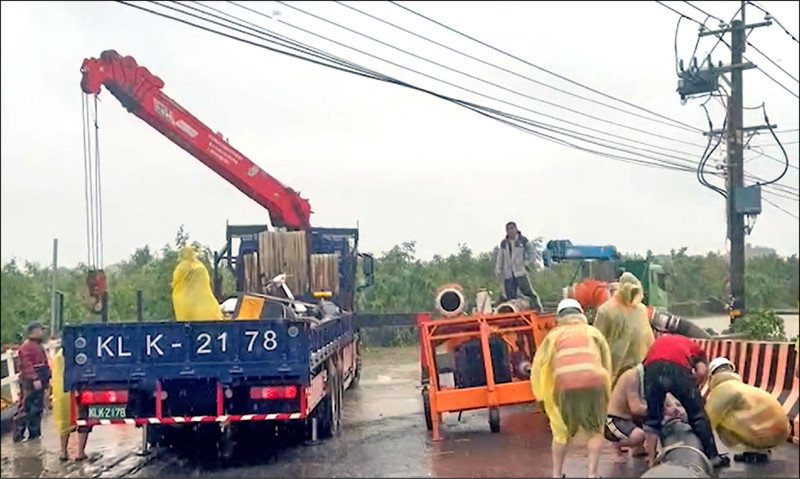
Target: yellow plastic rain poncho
624,323
60,398
744,415
192,298
569,411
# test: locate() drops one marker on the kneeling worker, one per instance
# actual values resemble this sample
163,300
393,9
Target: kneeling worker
627,409
570,376
744,416
677,365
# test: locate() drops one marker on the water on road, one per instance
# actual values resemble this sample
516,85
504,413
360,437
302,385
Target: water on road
383,435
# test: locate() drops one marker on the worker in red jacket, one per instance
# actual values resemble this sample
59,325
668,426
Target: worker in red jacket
34,378
677,365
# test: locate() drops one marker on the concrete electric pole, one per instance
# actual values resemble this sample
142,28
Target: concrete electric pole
741,200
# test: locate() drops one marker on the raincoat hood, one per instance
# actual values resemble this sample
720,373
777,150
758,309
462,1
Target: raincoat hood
630,291
720,377
188,254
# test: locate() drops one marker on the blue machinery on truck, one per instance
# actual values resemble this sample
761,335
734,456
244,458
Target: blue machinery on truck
287,359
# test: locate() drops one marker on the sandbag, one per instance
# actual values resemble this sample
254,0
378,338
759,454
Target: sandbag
624,322
192,297
745,416
572,410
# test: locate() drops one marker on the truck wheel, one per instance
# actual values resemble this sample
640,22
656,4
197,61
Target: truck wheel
155,435
329,412
494,419
357,373
426,406
227,443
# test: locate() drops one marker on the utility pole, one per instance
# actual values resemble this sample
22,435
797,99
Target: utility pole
735,143
741,201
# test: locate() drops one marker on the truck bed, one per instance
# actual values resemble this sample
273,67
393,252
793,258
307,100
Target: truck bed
220,350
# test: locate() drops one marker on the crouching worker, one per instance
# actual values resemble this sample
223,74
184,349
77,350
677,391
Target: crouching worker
570,375
627,409
677,365
745,417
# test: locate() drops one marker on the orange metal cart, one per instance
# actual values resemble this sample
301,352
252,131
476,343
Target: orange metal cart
520,331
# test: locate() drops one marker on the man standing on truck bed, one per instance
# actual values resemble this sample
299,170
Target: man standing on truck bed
34,377
514,259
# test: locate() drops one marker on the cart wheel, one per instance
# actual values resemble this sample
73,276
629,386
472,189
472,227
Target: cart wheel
494,419
426,404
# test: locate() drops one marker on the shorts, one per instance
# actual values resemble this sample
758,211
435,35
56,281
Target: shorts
619,429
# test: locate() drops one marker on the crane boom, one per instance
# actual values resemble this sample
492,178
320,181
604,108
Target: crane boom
139,91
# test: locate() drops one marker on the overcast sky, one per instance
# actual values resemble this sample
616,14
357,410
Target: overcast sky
403,164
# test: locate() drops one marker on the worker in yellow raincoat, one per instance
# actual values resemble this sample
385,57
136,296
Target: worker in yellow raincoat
744,416
624,323
192,297
570,376
61,412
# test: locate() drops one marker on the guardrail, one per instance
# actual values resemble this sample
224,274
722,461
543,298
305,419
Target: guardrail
10,382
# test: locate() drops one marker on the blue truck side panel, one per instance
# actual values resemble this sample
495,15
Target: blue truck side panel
221,350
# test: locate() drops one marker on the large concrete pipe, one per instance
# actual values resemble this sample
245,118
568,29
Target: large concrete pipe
682,454
450,300
514,306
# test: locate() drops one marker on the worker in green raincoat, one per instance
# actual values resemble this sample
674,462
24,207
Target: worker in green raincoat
624,323
570,379
192,297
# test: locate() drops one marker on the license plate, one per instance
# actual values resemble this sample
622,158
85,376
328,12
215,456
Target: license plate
107,412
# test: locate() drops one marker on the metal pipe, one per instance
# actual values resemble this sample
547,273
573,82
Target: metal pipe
675,324
682,454
450,300
514,306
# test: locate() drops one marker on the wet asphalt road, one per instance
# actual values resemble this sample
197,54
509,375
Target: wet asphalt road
383,435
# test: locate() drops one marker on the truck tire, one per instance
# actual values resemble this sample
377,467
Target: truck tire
329,412
357,373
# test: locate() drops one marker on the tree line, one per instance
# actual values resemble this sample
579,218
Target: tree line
403,283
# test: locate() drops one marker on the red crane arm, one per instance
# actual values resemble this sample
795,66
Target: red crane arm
139,91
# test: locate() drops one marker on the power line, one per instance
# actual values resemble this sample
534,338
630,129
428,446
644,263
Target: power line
785,211
775,144
776,21
539,67
469,76
702,11
484,95
771,61
374,17
458,102
461,103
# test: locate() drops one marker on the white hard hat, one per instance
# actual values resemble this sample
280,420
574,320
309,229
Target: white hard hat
719,362
568,303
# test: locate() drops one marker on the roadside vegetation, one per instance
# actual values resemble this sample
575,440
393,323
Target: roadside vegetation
403,284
